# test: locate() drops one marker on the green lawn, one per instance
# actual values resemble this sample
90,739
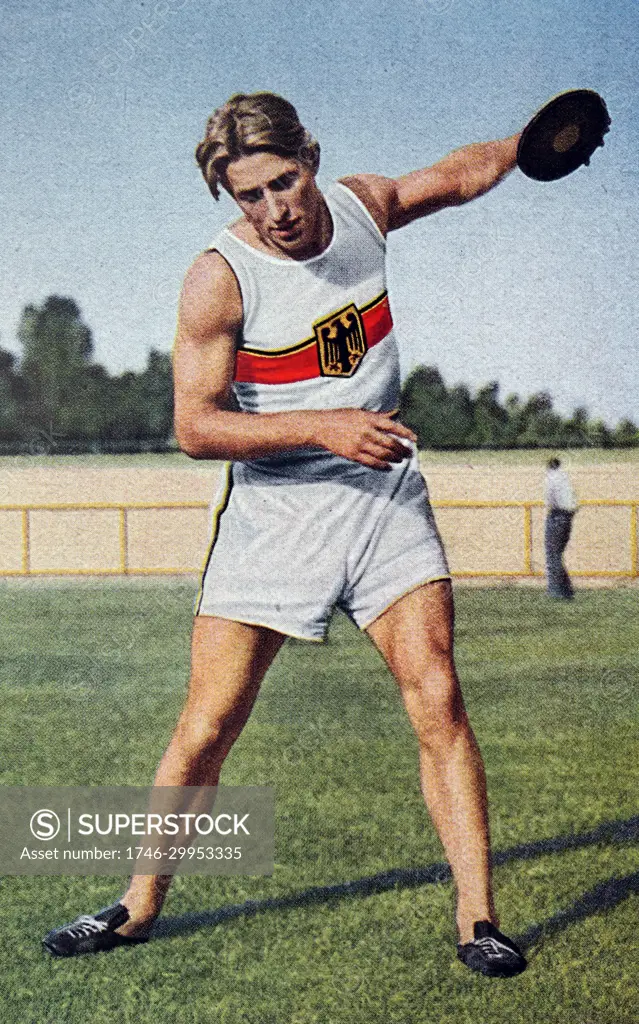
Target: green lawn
92,678
531,457
151,460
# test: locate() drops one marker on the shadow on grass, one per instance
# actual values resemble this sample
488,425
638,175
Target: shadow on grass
602,897
605,896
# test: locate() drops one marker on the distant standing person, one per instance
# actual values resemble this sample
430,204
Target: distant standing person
561,506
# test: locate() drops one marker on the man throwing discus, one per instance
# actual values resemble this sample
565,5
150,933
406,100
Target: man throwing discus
286,365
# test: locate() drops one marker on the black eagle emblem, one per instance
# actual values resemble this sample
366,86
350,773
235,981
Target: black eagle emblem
341,342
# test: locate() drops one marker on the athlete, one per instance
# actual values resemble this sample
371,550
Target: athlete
286,365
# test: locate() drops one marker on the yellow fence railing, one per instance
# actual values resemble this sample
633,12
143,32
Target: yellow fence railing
125,568
527,507
122,510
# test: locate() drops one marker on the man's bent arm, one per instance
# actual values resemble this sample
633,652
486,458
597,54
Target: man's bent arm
463,175
206,425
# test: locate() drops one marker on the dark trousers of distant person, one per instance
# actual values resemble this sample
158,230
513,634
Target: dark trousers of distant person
558,527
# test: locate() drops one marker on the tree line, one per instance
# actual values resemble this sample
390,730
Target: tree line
56,398
454,418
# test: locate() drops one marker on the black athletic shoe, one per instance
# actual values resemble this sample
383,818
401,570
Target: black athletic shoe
91,933
491,953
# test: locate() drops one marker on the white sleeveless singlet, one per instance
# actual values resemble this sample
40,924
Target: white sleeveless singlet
317,333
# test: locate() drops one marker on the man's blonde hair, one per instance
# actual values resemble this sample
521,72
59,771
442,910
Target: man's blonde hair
249,123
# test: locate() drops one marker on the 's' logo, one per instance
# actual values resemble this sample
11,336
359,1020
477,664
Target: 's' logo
341,342
44,824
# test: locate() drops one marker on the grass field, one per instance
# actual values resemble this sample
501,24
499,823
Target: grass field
477,457
92,679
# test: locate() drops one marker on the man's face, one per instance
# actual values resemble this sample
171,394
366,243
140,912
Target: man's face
280,200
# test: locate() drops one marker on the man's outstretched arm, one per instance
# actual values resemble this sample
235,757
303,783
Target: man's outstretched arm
463,175
206,424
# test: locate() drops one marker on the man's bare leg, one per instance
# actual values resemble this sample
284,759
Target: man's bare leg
228,662
415,637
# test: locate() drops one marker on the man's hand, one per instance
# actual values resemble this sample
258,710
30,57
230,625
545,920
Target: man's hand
373,438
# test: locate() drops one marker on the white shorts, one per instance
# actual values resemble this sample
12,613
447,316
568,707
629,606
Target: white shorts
285,552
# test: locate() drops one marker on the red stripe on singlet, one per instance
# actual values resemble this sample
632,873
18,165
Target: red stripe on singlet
302,361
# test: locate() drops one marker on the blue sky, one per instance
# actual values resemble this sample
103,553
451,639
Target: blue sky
535,285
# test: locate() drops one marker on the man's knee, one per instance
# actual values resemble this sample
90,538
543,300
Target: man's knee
429,664
437,713
201,735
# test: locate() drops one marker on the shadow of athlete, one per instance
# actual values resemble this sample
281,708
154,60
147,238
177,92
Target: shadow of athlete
604,896
297,258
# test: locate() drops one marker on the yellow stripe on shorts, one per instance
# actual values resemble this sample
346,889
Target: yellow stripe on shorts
217,515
